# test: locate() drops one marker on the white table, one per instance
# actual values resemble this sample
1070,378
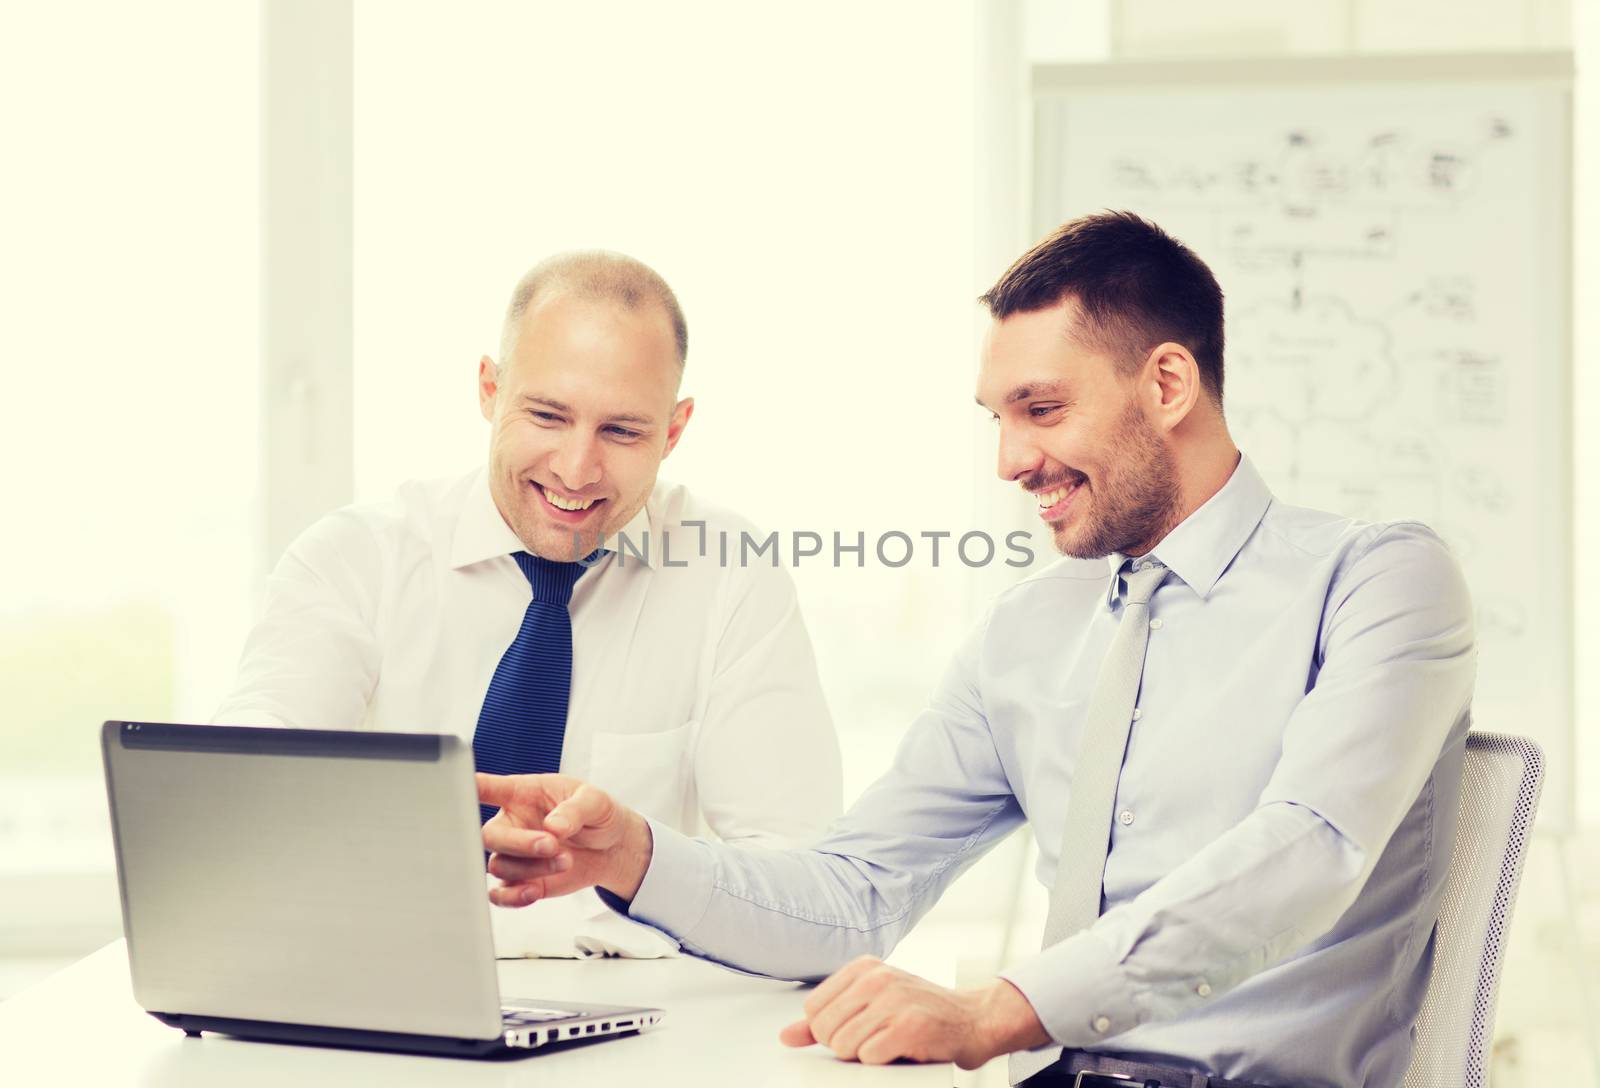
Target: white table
82,1026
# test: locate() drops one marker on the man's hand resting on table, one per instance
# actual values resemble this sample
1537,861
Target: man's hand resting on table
555,835
870,1012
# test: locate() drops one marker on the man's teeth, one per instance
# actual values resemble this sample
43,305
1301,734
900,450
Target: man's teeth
1050,498
567,504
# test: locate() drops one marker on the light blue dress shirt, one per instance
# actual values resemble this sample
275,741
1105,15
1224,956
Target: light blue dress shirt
1283,819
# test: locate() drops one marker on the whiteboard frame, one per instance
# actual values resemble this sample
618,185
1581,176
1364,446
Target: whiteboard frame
1551,71
1555,66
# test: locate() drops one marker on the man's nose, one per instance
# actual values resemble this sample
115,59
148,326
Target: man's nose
1018,457
576,463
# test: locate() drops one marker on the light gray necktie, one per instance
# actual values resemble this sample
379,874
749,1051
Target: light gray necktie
1080,869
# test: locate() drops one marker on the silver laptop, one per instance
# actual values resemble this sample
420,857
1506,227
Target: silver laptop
317,886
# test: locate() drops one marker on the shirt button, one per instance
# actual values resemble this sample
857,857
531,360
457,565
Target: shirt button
1141,566
1137,713
1125,817
1204,989
1101,1025
1155,625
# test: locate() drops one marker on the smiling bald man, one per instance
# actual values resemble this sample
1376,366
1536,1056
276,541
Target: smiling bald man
558,607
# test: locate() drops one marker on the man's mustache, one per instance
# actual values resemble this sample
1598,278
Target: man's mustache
1043,482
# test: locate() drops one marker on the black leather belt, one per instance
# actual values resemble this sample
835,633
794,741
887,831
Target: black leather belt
1081,1069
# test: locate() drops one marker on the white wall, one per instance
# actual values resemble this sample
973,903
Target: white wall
805,184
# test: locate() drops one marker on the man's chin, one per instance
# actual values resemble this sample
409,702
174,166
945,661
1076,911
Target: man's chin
1064,541
559,543
566,545
1075,546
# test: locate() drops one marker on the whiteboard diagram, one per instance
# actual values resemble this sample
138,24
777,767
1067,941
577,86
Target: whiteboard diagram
1394,254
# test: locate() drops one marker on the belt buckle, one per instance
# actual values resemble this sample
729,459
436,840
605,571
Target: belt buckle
1088,1079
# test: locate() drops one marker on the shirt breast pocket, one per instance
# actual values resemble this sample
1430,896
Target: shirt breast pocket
646,771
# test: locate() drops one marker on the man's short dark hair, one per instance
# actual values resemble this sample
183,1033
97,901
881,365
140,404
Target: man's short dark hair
1135,285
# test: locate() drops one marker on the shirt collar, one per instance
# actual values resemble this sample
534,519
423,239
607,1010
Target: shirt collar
481,533
1202,546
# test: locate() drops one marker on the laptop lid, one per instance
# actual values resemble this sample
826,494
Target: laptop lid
303,876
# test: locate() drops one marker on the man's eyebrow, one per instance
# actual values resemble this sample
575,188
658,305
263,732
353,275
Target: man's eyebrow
529,398
622,417
1037,389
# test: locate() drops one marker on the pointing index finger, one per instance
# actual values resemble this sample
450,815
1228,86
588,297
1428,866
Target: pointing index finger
495,789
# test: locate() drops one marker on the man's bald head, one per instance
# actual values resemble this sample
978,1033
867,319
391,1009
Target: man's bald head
583,405
594,275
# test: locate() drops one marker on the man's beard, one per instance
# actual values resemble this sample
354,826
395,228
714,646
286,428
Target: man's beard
1135,503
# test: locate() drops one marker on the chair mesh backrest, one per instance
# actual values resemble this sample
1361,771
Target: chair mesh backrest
1500,785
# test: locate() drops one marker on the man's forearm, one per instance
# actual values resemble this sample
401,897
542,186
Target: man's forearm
788,913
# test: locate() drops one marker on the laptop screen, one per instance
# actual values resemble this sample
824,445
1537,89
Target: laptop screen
303,876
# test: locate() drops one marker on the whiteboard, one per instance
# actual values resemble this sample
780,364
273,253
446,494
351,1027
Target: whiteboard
1392,239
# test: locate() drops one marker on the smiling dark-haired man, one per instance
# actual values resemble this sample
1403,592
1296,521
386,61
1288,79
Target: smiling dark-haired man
1238,744
473,604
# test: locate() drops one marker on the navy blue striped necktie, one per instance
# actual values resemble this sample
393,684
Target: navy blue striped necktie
524,718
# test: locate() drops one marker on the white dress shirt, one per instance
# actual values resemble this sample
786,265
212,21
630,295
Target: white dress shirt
694,697
1283,820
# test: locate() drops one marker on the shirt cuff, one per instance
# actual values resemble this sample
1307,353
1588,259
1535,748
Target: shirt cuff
677,886
1078,990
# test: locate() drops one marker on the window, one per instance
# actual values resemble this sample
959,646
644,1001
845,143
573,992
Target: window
129,426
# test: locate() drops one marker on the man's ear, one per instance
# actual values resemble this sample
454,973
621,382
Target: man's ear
488,386
680,419
1172,384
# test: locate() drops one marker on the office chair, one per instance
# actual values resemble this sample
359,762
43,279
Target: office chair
1500,785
